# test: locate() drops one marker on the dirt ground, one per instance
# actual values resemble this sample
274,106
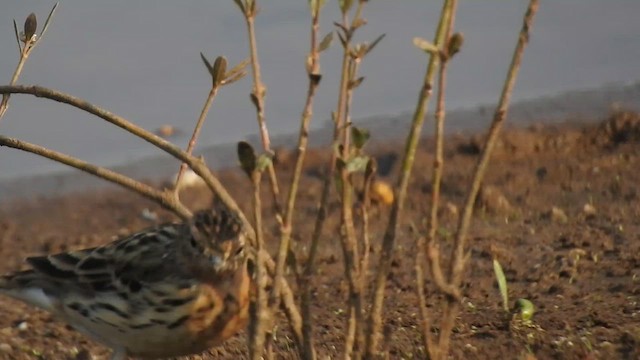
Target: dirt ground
560,209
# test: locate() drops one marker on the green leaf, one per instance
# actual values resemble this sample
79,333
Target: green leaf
502,284
425,46
326,42
345,5
263,162
247,157
315,6
357,164
360,137
526,309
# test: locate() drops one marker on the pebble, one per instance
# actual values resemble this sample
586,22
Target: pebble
558,215
589,209
23,326
5,348
493,200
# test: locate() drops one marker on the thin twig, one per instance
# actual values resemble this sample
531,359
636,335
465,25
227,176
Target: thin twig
388,242
260,311
194,136
161,197
257,96
25,51
306,349
438,164
458,257
349,242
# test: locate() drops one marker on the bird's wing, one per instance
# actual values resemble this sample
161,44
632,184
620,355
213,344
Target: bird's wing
125,263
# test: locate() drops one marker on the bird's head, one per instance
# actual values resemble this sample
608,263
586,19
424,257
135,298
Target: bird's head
217,239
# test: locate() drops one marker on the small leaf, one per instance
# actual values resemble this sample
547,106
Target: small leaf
247,157
235,77
502,284
372,168
15,28
219,69
455,43
358,23
345,5
374,43
355,83
207,64
360,137
326,42
343,40
263,162
238,68
30,27
315,6
46,23
344,29
240,4
254,100
357,164
252,7
425,46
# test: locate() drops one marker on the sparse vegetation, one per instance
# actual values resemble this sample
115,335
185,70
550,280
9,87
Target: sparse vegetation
287,271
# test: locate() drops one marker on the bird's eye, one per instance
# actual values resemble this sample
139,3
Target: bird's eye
239,251
193,242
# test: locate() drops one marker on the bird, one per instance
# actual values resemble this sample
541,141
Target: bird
170,290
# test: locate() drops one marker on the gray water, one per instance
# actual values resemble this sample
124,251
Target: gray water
141,60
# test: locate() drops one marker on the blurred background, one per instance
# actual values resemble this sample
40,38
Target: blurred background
141,60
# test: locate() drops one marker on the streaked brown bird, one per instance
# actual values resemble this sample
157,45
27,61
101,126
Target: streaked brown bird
171,290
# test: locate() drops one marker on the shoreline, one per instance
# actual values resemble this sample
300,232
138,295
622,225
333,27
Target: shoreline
579,106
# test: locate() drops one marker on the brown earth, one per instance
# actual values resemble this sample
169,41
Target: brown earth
560,210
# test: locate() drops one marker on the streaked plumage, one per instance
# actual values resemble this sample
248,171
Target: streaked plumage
170,290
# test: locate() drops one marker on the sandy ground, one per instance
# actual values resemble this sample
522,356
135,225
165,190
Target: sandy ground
560,210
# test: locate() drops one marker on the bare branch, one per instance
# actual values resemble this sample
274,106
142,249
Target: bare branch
388,242
162,198
457,262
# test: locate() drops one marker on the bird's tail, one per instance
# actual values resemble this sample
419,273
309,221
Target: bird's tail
25,286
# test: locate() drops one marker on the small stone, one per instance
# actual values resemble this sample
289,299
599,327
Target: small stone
589,209
23,326
558,215
149,215
5,348
492,200
452,209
